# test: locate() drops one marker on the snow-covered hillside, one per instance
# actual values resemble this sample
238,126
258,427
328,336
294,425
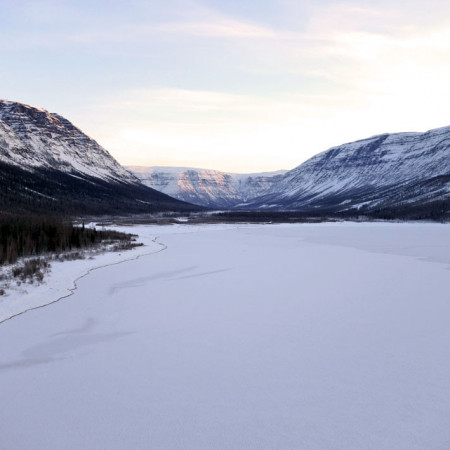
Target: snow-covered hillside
378,171
381,173
210,188
33,138
49,165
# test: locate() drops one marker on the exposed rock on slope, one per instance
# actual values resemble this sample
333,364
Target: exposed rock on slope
210,188
386,172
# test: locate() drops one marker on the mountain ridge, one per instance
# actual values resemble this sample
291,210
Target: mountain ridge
49,165
374,173
206,187
44,139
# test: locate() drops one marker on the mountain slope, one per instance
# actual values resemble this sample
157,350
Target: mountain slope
388,171
210,188
40,139
47,164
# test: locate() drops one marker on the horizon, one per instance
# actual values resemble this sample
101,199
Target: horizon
236,87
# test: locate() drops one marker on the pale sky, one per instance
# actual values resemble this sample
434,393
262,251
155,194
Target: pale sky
235,85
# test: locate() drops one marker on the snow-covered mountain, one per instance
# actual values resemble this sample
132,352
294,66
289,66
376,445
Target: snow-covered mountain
32,137
385,171
46,163
210,188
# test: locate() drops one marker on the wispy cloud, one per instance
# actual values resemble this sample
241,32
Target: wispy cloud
198,82
220,27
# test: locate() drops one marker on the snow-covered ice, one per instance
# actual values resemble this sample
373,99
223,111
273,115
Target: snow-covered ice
63,277
328,336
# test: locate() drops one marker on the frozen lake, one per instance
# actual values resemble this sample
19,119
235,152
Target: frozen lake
329,336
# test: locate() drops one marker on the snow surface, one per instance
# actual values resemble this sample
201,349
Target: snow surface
330,336
63,276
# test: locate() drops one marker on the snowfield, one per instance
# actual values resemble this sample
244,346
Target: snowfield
62,279
328,336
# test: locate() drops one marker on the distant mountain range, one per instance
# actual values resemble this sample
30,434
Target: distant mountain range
49,165
391,175
210,188
394,174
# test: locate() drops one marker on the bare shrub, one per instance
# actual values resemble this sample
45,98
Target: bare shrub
127,245
39,276
31,269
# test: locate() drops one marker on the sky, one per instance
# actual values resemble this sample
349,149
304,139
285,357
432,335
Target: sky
240,86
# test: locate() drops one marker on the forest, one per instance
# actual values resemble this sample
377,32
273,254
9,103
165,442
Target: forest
34,235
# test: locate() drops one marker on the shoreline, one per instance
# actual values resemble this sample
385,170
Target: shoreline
61,281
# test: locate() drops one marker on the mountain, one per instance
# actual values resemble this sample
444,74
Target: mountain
49,165
390,173
210,188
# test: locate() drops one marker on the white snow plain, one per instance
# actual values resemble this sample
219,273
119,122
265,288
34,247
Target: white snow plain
62,279
328,336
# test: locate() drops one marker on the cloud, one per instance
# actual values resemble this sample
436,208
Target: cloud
219,27
202,85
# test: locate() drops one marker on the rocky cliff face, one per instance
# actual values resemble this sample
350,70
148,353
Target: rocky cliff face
210,188
382,171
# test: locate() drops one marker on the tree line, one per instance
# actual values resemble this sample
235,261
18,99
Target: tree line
34,235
